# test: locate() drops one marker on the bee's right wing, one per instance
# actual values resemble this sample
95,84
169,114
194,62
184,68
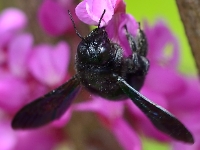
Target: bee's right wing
161,118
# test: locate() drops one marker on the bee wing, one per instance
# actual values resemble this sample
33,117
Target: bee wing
161,118
48,107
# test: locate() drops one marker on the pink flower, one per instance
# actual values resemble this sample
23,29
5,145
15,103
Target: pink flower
111,115
53,16
8,137
22,45
14,93
114,19
158,53
49,64
25,71
45,63
12,20
23,140
116,30
188,111
13,67
64,119
90,11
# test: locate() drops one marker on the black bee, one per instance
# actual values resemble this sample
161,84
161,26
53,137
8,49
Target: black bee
103,70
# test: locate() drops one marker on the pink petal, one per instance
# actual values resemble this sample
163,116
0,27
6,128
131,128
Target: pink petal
102,106
8,138
54,18
190,118
120,6
36,89
11,21
157,49
157,98
18,54
188,99
61,122
49,64
90,11
112,111
116,31
184,146
152,132
126,135
13,93
164,80
40,139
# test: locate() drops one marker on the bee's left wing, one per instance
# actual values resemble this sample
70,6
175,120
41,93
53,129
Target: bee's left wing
48,107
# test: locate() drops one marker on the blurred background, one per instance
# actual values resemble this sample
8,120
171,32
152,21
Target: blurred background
83,129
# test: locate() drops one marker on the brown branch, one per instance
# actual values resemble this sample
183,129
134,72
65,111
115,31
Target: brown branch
190,16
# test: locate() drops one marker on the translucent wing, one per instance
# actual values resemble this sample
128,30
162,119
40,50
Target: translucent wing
47,108
161,118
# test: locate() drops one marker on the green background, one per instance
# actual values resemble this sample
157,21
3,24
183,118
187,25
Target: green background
168,12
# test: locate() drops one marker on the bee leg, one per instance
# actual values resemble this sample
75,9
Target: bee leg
138,43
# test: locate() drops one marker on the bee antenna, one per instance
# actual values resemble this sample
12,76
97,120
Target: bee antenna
104,11
70,15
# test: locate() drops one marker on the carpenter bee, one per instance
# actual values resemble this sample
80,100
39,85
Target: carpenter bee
103,70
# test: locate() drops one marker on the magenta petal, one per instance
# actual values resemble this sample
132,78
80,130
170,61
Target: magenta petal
136,113
39,139
61,122
49,64
188,100
157,49
90,11
157,98
8,137
152,132
189,116
116,31
126,135
82,14
120,6
11,21
18,54
102,106
183,146
53,18
113,111
163,80
13,93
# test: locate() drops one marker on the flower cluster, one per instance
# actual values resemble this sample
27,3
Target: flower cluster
28,71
